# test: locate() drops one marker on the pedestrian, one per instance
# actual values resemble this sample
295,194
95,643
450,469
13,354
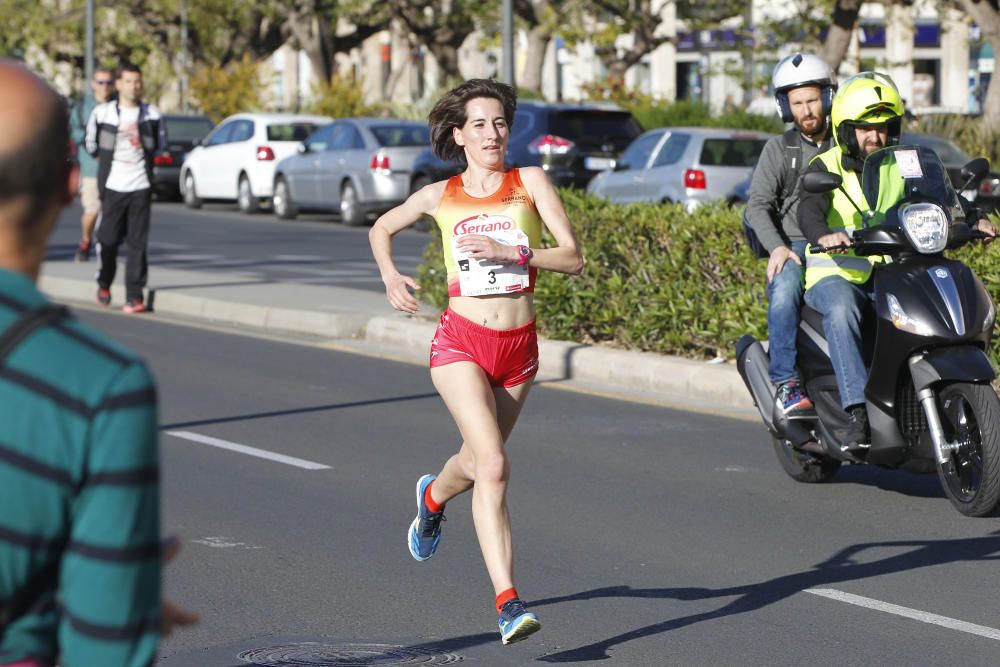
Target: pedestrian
762,105
484,355
804,86
101,86
124,135
80,551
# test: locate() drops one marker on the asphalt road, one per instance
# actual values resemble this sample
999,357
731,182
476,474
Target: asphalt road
313,249
644,536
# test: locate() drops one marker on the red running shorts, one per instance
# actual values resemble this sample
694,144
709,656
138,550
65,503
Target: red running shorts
509,357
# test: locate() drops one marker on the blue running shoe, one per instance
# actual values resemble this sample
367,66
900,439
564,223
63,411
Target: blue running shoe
425,531
516,623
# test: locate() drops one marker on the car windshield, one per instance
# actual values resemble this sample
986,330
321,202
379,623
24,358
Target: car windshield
947,151
594,127
187,129
905,171
289,131
726,152
401,135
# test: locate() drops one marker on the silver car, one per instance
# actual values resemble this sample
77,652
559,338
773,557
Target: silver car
687,165
357,166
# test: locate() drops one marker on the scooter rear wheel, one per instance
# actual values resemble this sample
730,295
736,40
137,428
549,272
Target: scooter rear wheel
970,416
803,466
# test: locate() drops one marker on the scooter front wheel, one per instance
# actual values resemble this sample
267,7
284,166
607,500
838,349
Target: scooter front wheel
970,417
803,466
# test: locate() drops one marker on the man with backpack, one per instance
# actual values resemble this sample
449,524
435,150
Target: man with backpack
804,86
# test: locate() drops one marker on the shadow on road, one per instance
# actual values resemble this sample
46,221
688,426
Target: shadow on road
297,411
841,567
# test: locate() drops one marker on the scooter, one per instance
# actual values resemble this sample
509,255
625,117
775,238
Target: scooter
929,397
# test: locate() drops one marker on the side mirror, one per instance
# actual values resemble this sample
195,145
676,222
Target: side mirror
975,171
818,182
302,148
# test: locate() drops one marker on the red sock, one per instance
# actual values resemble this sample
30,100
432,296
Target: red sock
504,597
431,505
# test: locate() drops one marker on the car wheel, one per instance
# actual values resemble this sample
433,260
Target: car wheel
191,199
244,196
282,202
350,209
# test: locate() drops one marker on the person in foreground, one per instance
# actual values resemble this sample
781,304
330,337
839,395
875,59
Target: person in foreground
80,550
484,355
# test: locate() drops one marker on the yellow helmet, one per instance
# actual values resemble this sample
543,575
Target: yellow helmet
867,98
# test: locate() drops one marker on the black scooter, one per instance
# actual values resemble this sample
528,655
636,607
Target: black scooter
929,397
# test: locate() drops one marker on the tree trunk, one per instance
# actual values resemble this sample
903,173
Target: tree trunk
538,44
845,18
988,20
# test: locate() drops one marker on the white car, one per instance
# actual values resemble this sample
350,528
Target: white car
236,161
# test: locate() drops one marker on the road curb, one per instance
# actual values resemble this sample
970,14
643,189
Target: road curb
670,378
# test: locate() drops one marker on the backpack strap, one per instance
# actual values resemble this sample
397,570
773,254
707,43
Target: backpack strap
29,594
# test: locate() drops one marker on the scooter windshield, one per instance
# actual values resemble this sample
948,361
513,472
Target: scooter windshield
906,172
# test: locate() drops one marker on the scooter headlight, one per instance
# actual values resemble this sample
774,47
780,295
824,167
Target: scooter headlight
926,225
904,322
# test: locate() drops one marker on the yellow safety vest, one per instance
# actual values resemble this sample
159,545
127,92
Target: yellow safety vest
842,216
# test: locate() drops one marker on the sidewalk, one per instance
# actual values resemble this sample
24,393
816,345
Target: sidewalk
365,318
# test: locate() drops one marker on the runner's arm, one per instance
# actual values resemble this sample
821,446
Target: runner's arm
566,257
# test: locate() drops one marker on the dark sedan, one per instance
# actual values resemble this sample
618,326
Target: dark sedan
183,132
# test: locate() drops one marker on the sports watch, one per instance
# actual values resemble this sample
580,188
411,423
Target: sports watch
524,255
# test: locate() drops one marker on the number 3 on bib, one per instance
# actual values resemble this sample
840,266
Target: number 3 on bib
480,277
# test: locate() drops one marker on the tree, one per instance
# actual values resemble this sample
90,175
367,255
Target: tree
442,26
543,18
986,15
842,26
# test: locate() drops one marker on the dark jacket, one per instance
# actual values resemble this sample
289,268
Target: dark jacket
102,133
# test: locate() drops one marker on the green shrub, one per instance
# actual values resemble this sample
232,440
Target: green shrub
659,279
696,114
972,135
222,92
341,97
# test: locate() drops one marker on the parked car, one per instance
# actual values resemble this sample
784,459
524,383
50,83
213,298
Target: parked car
985,194
183,132
687,165
357,166
236,161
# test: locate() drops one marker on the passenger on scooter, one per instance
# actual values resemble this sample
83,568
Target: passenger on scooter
804,86
866,116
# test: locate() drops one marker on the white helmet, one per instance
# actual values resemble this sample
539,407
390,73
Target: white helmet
797,70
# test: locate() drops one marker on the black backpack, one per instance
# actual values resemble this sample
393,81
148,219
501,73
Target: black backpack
793,167
22,601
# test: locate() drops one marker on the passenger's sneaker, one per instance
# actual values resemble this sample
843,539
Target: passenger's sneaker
792,397
103,296
134,306
83,252
858,437
425,531
516,622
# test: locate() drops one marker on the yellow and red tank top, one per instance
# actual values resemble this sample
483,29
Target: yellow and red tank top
509,208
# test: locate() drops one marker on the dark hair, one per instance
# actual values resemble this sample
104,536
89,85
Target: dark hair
127,67
38,167
449,113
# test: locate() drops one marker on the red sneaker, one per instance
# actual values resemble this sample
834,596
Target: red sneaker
104,296
134,306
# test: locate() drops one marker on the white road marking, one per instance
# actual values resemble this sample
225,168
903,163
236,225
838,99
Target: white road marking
915,614
249,451
223,542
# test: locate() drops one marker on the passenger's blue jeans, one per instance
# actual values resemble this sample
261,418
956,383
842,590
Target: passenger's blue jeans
841,303
784,300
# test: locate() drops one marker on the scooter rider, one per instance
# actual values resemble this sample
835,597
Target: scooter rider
866,116
804,86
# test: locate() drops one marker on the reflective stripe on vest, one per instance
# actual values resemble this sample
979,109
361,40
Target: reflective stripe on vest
842,216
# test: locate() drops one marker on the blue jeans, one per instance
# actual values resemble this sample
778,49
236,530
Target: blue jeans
841,304
784,300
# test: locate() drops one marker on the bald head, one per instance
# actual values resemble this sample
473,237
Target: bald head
35,173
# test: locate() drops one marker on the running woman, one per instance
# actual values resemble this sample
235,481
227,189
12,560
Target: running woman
484,355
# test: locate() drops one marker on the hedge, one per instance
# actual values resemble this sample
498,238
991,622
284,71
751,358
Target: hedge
660,279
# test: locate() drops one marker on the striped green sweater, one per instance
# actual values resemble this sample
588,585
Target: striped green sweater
78,467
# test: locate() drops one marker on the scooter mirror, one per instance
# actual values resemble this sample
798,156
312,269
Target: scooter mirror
975,171
818,182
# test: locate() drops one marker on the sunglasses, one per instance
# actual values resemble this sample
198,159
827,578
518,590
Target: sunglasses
103,82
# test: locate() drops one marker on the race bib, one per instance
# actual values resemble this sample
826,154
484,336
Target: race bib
479,277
